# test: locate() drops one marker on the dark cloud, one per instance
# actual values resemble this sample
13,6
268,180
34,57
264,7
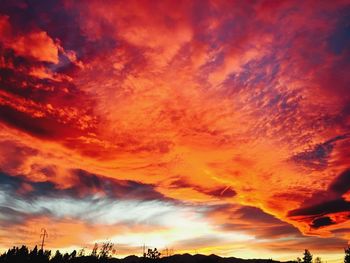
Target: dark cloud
326,202
225,192
119,189
322,221
180,183
85,185
20,186
10,182
341,184
251,220
251,214
37,126
280,231
317,157
44,127
328,207
266,225
9,216
339,40
220,192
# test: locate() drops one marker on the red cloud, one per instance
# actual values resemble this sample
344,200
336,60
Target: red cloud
37,45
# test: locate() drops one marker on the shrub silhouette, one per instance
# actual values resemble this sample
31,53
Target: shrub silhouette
347,255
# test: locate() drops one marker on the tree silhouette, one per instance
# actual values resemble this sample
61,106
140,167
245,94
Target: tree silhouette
43,256
347,255
33,254
65,257
73,255
317,260
94,250
57,258
105,250
81,252
307,257
153,254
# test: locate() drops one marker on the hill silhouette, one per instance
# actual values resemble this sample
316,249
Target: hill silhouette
103,255
198,258
24,255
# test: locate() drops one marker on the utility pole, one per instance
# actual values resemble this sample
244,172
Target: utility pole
144,250
43,235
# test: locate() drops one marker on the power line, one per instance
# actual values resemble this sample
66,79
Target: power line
43,235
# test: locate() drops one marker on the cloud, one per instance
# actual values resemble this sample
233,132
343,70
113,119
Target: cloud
322,221
24,199
234,115
219,192
11,217
88,183
317,158
252,221
327,207
83,185
340,185
328,244
37,45
329,202
13,155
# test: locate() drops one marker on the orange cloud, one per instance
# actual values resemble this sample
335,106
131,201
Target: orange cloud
37,45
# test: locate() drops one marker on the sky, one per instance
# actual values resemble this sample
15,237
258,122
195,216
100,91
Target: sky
202,126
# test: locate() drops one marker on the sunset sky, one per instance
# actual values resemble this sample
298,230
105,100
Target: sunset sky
202,126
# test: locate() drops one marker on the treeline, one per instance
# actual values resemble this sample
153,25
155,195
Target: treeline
104,254
308,258
98,255
24,255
